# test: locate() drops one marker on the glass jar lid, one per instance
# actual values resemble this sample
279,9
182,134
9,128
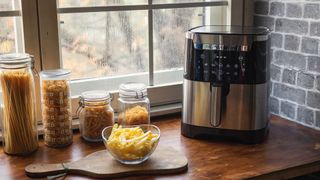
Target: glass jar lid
95,96
15,59
55,74
133,90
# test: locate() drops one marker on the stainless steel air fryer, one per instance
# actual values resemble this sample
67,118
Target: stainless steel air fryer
225,88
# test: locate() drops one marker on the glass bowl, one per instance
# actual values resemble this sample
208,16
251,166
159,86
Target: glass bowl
129,151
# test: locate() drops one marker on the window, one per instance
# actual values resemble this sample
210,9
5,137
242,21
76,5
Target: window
113,43
106,43
11,28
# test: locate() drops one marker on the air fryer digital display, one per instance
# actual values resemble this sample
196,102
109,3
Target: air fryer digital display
228,64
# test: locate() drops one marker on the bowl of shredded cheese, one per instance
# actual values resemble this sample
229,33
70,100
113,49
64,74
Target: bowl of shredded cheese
132,144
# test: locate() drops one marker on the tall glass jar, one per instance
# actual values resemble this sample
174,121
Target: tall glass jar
134,104
19,122
56,107
96,113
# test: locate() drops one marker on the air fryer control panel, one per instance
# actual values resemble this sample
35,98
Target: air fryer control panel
227,64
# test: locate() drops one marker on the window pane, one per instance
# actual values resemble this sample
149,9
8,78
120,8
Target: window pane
9,41
77,3
105,43
9,5
170,26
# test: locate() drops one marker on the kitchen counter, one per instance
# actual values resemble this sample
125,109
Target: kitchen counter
290,150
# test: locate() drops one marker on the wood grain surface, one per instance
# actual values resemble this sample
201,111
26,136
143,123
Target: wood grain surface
100,164
290,150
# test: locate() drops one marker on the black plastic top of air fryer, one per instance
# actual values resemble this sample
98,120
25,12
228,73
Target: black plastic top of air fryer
230,30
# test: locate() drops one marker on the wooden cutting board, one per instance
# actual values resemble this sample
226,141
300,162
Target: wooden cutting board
100,164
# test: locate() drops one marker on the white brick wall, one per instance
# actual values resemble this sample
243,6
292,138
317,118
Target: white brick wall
295,63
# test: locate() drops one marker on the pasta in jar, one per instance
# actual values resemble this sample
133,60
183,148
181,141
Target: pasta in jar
56,108
134,104
95,115
19,120
134,116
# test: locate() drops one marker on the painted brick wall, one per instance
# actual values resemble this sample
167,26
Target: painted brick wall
295,52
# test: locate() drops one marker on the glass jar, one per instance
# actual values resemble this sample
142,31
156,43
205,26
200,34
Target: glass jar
56,107
96,113
134,104
19,124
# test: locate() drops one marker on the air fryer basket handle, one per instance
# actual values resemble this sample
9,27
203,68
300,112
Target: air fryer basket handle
218,101
215,101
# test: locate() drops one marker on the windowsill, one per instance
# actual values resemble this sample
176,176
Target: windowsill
161,78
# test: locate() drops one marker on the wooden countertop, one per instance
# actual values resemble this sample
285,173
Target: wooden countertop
290,150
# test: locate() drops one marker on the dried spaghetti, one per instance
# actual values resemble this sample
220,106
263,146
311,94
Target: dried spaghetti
19,121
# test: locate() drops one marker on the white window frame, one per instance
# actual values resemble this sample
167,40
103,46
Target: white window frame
41,37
